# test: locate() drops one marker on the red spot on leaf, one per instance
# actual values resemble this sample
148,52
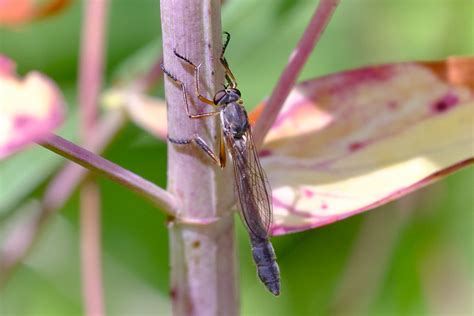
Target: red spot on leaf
392,105
445,103
308,193
359,76
265,153
356,146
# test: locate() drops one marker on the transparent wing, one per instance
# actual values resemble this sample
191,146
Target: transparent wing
252,188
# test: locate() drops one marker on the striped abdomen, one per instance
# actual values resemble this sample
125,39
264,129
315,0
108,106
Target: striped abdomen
267,267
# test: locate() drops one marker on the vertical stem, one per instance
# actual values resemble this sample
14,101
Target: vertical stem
91,263
91,63
90,81
203,272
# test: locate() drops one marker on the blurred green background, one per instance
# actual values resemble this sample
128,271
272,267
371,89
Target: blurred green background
411,257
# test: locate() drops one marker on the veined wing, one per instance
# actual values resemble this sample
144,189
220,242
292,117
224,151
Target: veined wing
252,188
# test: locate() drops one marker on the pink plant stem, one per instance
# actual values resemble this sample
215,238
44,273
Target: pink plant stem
297,60
203,258
17,244
91,249
152,77
20,241
90,81
91,63
159,197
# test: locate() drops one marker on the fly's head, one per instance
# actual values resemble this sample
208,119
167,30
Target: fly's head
226,96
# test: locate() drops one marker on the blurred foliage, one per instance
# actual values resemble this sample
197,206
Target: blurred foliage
397,242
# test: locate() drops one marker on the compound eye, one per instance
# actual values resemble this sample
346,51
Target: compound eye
219,95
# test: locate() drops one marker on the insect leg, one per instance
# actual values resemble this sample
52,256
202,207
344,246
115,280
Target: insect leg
228,73
196,139
222,151
226,42
185,98
196,78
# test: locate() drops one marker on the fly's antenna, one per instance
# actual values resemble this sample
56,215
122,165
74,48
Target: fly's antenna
229,76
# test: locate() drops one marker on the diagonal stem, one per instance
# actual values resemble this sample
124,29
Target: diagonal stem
150,78
17,244
298,59
114,172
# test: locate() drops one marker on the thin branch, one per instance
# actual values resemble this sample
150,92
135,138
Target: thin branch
67,180
91,63
150,78
91,249
22,239
114,172
297,60
90,82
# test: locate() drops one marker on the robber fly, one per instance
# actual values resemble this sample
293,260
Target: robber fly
252,188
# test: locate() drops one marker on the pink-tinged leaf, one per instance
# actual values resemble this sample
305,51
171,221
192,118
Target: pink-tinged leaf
17,12
352,141
30,108
147,112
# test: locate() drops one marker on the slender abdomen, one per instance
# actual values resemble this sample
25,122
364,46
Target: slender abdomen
267,267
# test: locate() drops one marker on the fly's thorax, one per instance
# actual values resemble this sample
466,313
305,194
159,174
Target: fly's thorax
234,120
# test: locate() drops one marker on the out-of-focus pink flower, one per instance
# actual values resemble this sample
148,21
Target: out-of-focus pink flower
17,12
30,108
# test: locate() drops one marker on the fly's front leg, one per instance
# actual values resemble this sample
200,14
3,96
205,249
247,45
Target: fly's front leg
185,98
229,76
196,139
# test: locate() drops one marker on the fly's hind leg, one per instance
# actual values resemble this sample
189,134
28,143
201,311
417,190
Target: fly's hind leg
196,139
196,78
185,98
